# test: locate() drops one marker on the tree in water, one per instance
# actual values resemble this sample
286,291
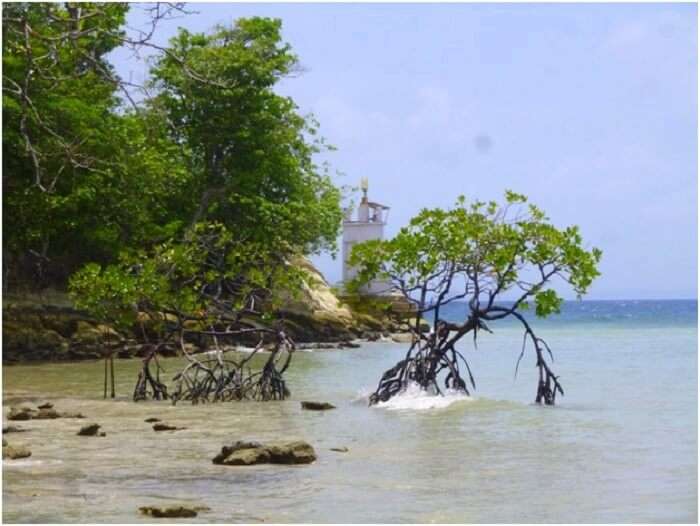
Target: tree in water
250,201
208,292
477,253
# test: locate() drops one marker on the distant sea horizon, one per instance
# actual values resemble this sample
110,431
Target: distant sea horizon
610,313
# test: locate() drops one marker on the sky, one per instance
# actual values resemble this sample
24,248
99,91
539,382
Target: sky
588,109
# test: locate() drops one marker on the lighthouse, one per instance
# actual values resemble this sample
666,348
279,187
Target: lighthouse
368,223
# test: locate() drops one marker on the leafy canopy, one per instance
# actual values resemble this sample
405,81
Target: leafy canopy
480,251
197,279
250,152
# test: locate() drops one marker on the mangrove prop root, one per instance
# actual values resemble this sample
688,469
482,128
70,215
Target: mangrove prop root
147,386
213,376
433,362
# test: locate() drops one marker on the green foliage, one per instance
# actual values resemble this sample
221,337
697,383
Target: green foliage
251,153
87,180
480,251
57,104
185,278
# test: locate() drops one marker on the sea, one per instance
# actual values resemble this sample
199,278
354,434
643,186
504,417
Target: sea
621,445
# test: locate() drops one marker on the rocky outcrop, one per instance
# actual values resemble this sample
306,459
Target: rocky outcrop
317,315
45,332
40,329
244,453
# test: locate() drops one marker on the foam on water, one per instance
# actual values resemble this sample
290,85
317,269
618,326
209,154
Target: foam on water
416,399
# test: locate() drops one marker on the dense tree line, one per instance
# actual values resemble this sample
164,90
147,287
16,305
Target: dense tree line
103,173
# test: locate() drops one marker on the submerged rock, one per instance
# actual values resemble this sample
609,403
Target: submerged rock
340,449
166,427
90,430
20,413
15,452
13,429
47,405
151,420
46,414
402,337
243,453
317,406
71,414
172,512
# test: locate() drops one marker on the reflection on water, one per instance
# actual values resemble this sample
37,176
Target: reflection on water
622,446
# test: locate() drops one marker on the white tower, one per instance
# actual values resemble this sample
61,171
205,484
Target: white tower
369,224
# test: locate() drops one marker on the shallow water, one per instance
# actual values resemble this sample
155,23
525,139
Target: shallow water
620,447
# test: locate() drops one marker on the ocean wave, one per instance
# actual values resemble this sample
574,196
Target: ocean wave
416,399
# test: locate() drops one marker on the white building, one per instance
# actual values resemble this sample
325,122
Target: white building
367,224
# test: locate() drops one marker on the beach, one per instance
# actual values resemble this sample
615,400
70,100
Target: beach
620,446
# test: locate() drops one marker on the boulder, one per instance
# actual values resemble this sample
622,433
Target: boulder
87,334
172,512
317,406
14,452
89,430
47,405
243,453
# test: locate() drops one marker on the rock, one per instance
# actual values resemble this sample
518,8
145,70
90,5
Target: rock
71,414
102,434
89,430
4,442
317,406
14,452
12,429
349,345
151,420
244,457
293,453
46,414
47,405
402,337
340,449
244,453
166,427
172,512
20,413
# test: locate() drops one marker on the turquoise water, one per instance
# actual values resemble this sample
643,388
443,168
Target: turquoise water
620,447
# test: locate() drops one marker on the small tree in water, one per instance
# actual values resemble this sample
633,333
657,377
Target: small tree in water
478,253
